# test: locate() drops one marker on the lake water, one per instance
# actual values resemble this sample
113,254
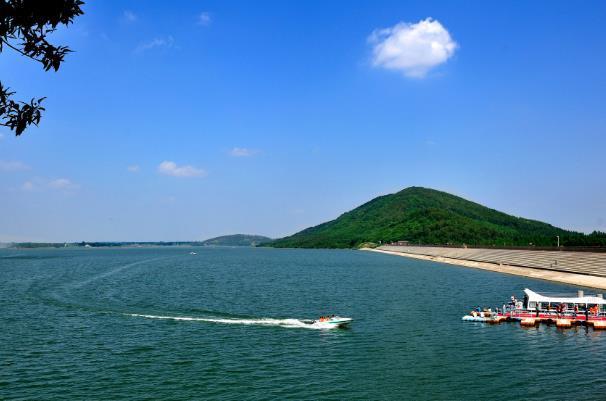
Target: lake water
69,329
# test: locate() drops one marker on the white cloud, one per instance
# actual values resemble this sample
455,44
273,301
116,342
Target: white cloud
411,48
44,184
28,186
8,165
134,168
204,19
243,152
61,183
1,136
129,16
171,168
166,42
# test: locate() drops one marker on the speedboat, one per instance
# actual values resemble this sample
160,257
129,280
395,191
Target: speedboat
193,253
331,322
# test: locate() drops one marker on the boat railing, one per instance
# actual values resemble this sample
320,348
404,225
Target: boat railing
552,313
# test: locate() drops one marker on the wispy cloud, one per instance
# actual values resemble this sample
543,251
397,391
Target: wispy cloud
204,18
41,184
1,136
155,43
172,169
61,183
134,168
243,152
28,186
13,165
412,48
129,16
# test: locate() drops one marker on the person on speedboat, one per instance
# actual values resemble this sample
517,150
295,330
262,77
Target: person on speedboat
325,318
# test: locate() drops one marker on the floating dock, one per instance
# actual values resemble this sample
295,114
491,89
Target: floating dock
562,311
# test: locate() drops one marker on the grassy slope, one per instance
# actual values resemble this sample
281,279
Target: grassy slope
429,216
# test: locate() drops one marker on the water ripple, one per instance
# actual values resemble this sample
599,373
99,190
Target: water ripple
159,324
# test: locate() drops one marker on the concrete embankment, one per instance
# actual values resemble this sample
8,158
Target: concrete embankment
584,269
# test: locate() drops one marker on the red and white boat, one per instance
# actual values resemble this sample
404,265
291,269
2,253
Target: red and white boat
564,311
581,308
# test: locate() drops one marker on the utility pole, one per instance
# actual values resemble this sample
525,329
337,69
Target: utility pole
558,240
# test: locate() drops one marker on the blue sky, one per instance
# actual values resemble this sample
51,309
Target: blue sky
210,118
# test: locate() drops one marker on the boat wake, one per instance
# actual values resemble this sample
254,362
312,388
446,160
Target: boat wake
286,323
114,271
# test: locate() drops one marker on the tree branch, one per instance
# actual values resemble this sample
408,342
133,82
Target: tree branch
20,51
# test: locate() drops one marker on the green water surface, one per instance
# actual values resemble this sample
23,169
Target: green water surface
90,324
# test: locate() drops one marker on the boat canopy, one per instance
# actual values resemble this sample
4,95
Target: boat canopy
534,297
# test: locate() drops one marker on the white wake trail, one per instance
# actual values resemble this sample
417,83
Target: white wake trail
287,323
114,271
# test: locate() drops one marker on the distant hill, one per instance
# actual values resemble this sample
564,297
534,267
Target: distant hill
236,240
427,216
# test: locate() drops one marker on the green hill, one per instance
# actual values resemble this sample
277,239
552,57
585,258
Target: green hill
236,240
427,216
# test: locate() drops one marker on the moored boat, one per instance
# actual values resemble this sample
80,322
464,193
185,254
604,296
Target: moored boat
563,310
471,318
580,309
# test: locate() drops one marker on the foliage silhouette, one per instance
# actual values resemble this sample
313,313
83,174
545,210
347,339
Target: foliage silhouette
24,26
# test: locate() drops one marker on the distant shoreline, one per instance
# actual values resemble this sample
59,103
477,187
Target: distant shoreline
582,280
124,246
225,240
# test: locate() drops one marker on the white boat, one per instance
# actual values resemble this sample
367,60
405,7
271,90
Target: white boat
486,316
193,253
331,322
564,310
477,318
582,308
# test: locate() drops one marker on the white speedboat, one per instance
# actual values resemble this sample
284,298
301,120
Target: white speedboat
331,322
